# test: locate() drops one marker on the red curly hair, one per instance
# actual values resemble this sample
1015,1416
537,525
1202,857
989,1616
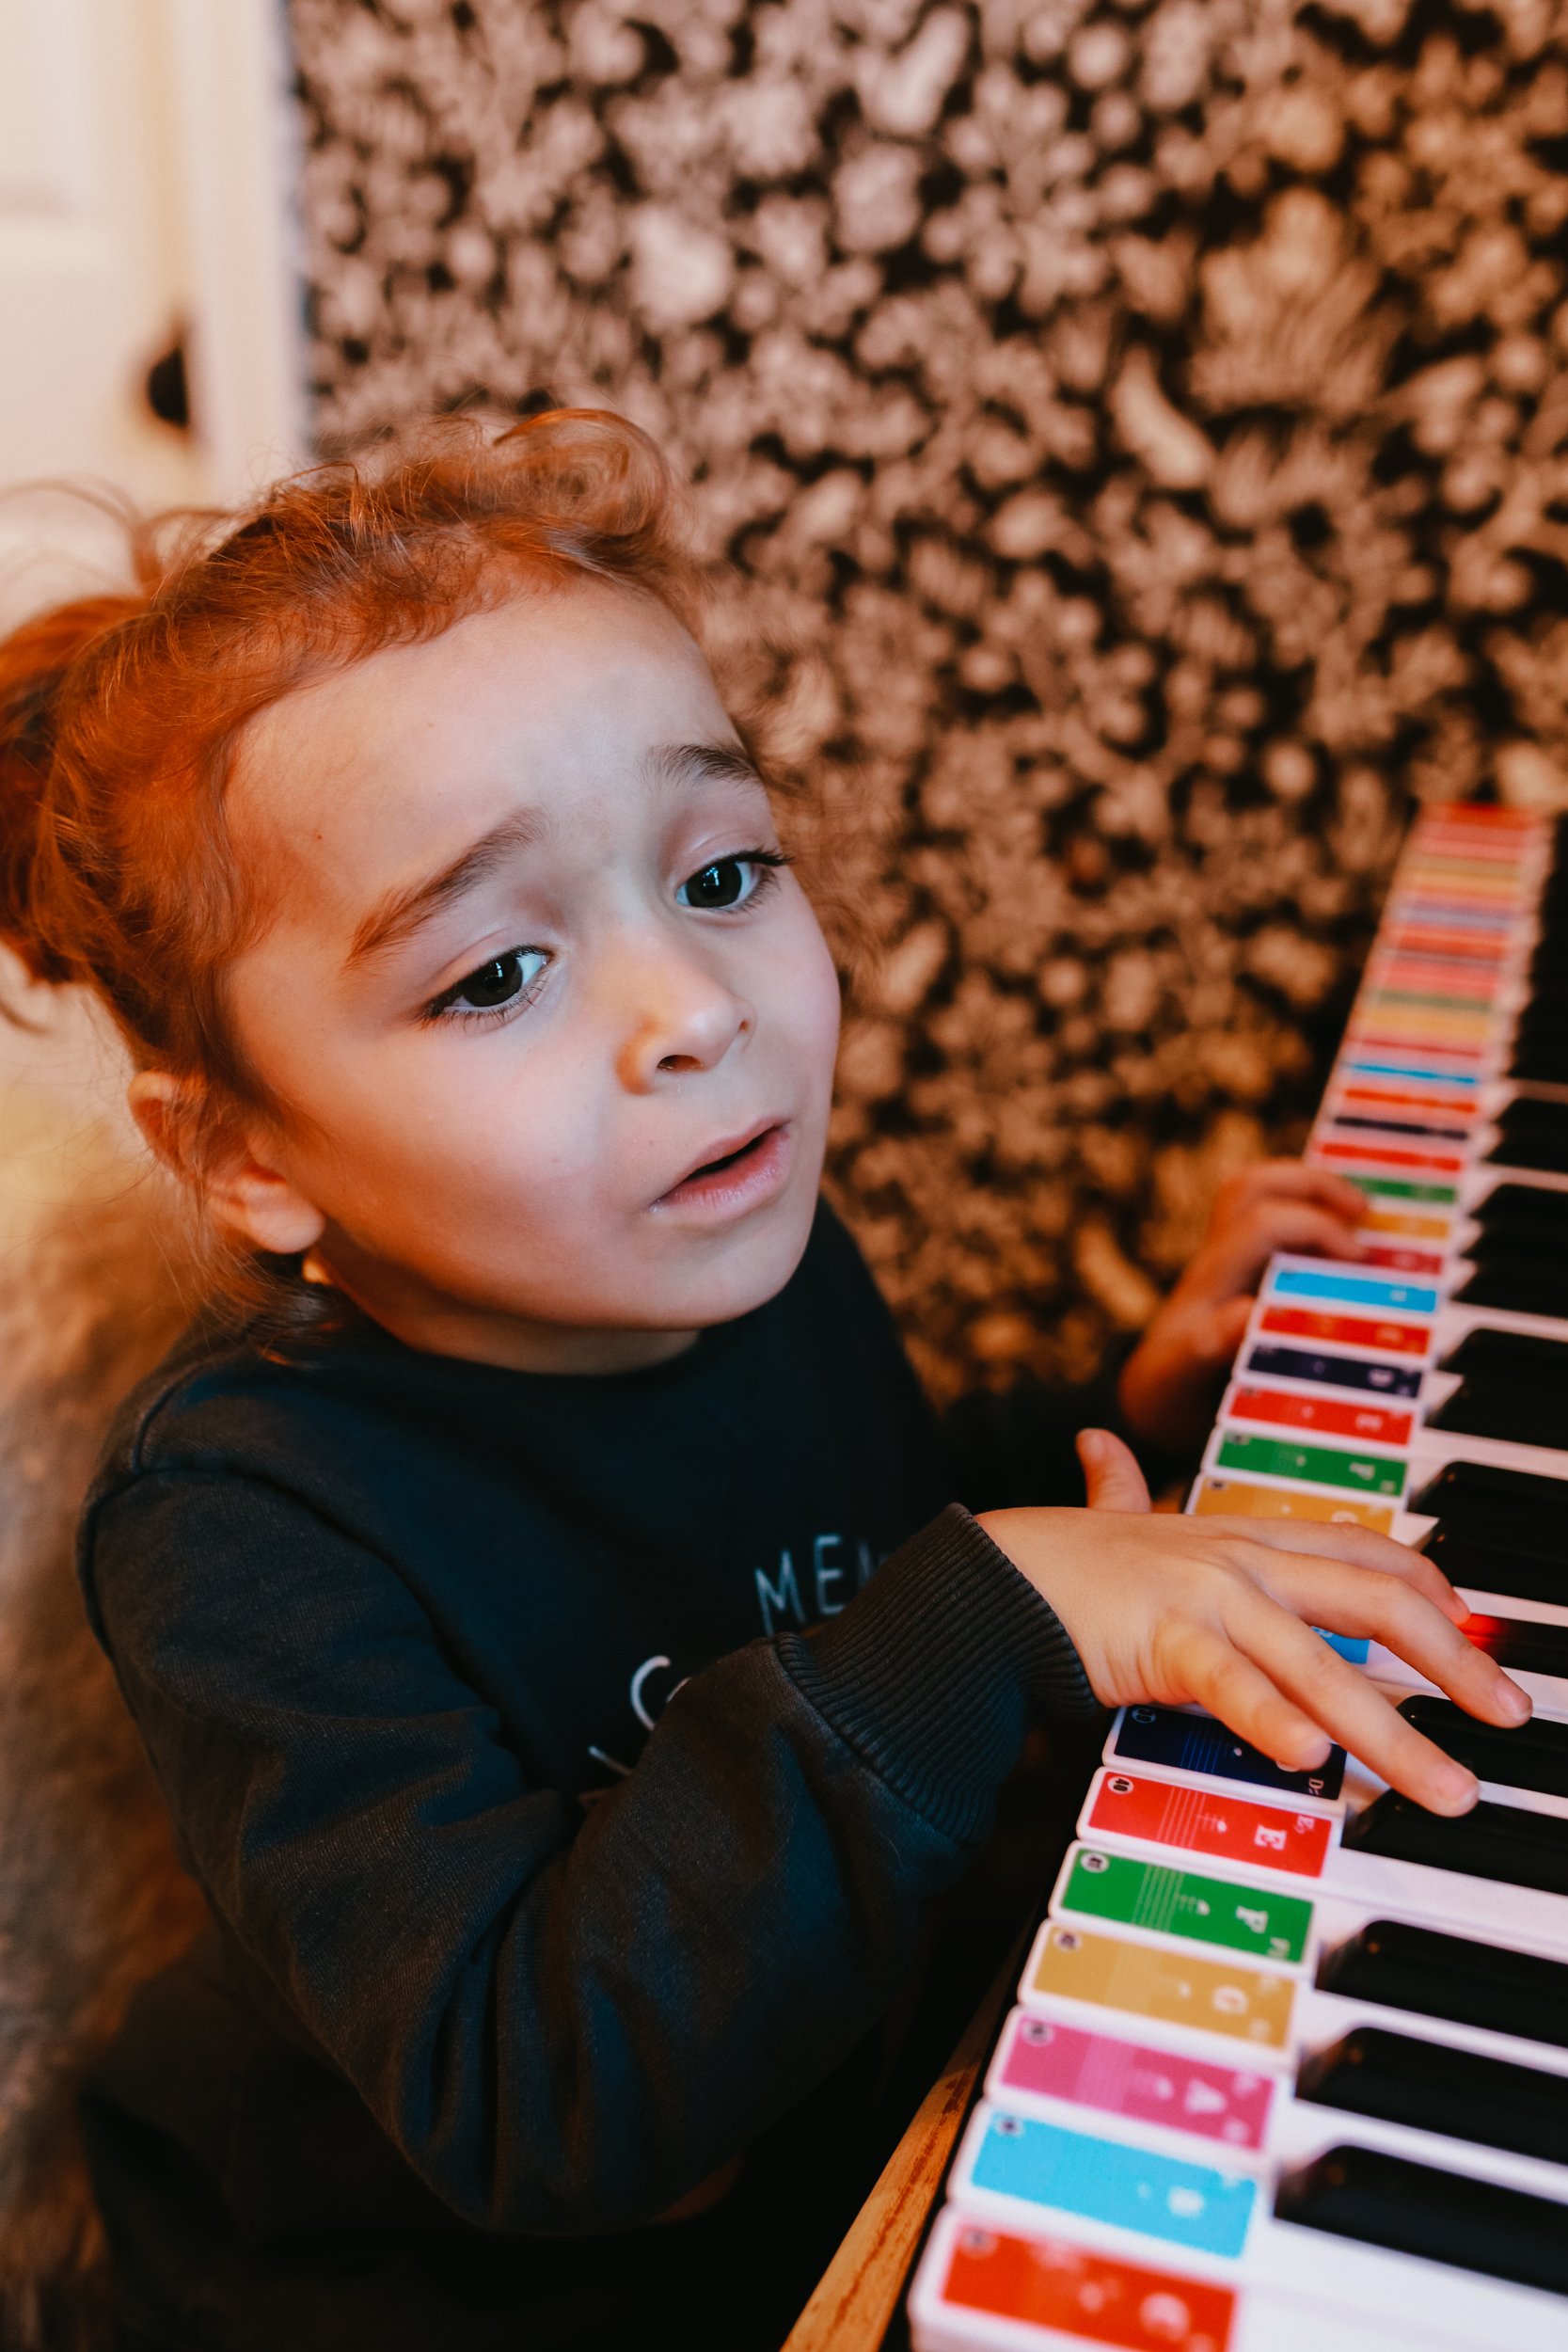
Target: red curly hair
120,715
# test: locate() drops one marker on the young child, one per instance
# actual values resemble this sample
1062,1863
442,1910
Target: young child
494,1592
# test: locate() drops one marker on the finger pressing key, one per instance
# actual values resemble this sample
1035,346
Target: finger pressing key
1351,1710
1383,1608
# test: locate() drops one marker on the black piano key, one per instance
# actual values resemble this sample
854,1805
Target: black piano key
1532,1134
1488,1568
1520,1284
1520,1644
1512,1386
1527,1215
1532,1756
1490,1841
1429,1974
1381,2199
1197,1743
1516,1509
1336,1372
1433,2089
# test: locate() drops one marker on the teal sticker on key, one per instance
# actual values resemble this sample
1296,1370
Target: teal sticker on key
1322,1465
1190,1904
1352,1646
1100,2179
1355,1290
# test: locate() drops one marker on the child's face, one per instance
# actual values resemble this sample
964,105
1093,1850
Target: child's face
523,980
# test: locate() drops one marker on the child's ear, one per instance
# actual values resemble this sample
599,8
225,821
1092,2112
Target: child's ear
241,1187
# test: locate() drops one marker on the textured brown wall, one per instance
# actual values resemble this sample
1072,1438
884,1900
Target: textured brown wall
1151,420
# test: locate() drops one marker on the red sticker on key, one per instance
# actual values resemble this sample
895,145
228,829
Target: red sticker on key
1211,1822
1333,1415
1047,2283
1401,1260
1387,1155
1131,2078
1396,1338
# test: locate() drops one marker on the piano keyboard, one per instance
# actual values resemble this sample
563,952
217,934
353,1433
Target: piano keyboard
1288,2066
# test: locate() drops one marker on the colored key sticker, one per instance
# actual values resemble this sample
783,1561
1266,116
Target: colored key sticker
1199,1744
1106,2180
1045,2282
1336,1417
1048,2061
1210,1821
1303,1322
1354,1290
1335,1371
1399,1188
1424,1073
1237,1497
1401,1260
1172,1988
1414,1228
1367,1154
1323,1466
1188,1904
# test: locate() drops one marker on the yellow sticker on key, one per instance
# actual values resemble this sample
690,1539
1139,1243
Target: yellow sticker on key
1245,2004
1242,1500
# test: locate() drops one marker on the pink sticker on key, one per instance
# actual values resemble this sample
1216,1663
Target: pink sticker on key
1132,2079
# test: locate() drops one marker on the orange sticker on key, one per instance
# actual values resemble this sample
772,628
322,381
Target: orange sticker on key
1210,1821
1399,1221
1243,1500
1226,1997
1046,2282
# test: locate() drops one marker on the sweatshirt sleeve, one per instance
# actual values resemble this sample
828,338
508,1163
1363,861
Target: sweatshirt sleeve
563,2020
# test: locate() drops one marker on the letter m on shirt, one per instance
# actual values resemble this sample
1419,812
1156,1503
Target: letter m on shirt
782,1599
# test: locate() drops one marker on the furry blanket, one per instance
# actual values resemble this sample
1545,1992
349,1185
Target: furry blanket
92,1898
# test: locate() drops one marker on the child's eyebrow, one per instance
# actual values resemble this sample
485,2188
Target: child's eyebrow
704,763
403,911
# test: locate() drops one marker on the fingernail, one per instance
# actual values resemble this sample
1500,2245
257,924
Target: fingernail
1455,1786
1516,1702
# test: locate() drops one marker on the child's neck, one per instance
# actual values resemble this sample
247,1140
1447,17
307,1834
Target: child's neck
441,1325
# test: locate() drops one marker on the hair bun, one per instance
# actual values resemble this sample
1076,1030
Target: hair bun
36,662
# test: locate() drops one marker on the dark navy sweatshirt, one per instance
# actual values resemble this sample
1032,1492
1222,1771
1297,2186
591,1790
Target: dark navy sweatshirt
569,1765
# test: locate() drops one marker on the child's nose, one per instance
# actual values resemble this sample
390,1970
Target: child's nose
687,1019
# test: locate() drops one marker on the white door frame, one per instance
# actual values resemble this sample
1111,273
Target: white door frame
237,167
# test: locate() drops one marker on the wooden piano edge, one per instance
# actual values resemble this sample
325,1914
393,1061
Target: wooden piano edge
856,2305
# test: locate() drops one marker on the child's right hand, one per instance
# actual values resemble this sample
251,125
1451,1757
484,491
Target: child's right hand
1219,1612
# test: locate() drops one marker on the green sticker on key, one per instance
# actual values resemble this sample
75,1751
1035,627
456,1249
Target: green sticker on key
1325,1466
1395,1189
1182,1902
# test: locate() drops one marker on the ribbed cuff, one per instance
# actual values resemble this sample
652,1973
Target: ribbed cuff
933,1671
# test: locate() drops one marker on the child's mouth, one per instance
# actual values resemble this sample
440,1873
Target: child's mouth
738,1178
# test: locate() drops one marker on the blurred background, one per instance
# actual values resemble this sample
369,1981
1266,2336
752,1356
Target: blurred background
1147,423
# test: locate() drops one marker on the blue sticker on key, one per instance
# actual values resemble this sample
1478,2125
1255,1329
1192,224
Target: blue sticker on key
1100,2179
1415,1070
1197,1743
1351,1290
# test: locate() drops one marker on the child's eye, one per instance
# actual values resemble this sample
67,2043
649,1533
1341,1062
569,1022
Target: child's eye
731,882
493,986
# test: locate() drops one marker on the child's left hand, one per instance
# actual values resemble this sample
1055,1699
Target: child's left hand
1169,1385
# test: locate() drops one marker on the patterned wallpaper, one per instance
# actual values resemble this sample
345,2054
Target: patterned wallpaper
1141,430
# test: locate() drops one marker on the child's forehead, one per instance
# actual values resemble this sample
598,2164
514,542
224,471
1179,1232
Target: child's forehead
534,692
374,767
